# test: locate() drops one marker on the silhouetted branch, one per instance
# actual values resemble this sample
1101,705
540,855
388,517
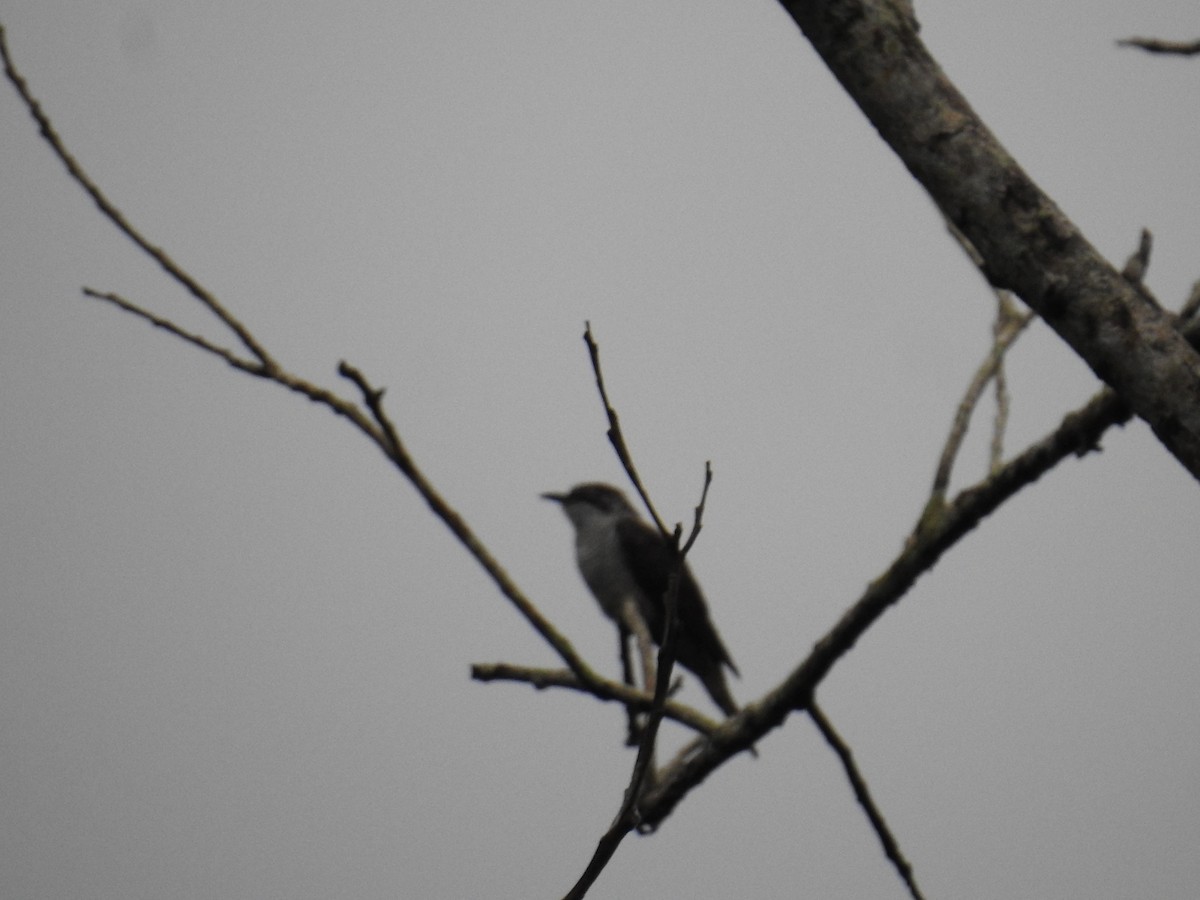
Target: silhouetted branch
1005,312
249,366
118,219
1136,266
615,436
604,689
395,450
1154,45
1078,434
1008,327
373,422
1190,306
1028,245
629,815
863,794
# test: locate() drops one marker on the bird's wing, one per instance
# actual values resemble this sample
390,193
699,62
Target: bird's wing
650,560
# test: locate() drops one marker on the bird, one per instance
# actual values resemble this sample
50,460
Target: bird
621,558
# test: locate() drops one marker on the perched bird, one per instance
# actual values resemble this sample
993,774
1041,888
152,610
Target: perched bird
621,557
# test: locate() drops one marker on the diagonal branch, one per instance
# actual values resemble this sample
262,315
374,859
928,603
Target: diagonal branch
605,689
629,816
395,450
862,793
615,437
1078,434
1155,45
374,423
1028,245
249,366
114,215
1008,328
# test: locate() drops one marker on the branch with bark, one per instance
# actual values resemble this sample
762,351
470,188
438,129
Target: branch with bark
1024,246
1027,244
1156,45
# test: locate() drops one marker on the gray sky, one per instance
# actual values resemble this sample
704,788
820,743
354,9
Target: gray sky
234,647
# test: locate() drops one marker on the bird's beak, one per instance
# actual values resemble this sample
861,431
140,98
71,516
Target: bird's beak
557,498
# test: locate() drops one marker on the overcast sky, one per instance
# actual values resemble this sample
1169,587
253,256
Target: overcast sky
234,646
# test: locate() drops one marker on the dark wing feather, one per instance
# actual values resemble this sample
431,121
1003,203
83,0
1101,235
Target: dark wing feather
699,647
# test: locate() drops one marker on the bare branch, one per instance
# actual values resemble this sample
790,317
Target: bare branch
863,794
1006,310
275,373
698,514
629,816
615,437
1154,45
398,454
1006,328
1009,325
118,219
377,426
1135,267
604,689
1028,245
1078,434
629,677
1138,263
246,365
1190,306
1060,277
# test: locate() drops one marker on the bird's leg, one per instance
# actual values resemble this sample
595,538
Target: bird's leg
637,625
629,676
633,623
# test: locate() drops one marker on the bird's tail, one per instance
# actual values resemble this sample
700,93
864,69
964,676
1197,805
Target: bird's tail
713,680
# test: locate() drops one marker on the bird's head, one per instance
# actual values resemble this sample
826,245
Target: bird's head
592,503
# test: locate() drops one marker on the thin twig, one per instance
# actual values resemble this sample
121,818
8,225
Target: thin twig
1006,332
1138,262
114,215
615,437
279,375
863,794
1190,306
377,426
629,677
605,689
667,648
1078,434
629,816
398,453
246,365
1006,329
698,512
1005,311
1154,45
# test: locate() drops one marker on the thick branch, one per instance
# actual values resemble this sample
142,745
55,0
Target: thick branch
937,531
1028,245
